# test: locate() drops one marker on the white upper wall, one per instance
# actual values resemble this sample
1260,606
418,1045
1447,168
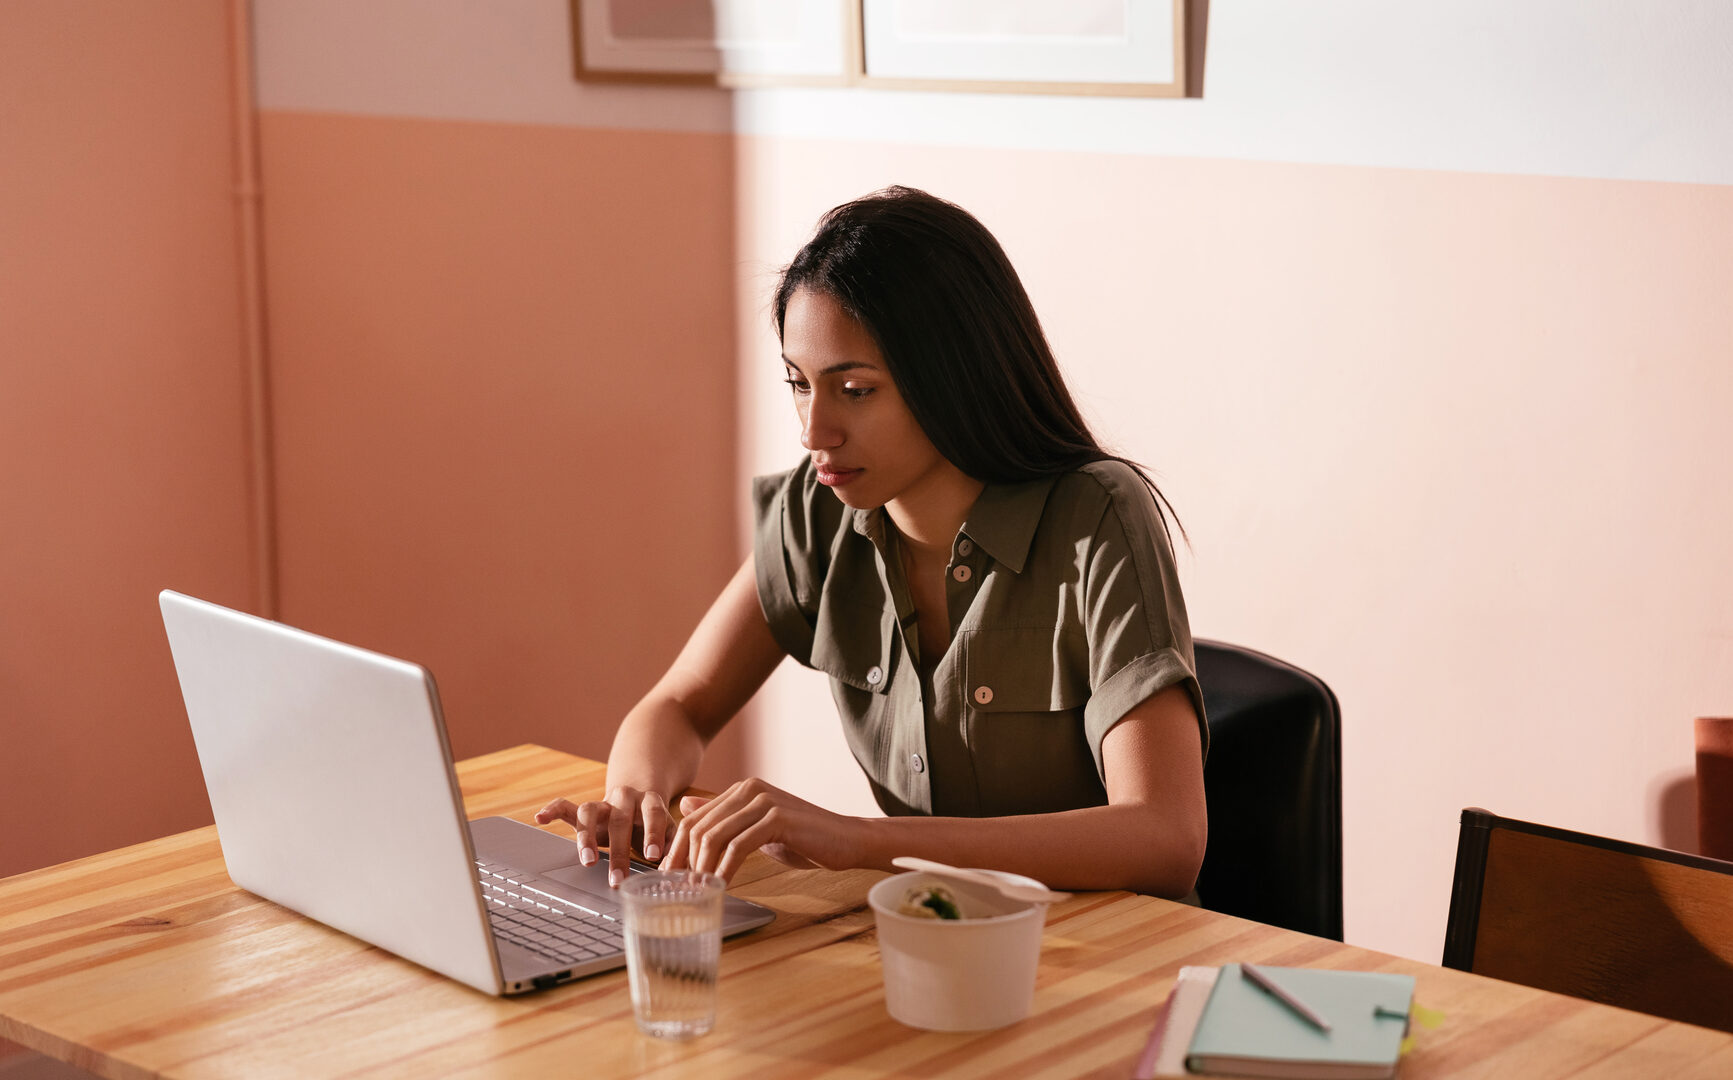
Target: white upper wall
1619,89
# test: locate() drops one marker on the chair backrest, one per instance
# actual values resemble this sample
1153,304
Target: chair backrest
1273,779
1623,924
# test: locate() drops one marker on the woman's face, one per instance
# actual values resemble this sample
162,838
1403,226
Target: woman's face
863,439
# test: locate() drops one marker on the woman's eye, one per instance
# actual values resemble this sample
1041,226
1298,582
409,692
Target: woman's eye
799,386
857,392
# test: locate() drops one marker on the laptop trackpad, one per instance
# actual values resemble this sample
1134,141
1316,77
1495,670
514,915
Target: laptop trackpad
590,883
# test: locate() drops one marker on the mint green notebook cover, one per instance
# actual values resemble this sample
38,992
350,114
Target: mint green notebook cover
1244,1021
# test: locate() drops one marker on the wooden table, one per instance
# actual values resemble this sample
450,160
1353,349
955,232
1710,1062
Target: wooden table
147,962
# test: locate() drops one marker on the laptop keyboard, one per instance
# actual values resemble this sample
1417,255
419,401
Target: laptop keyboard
547,925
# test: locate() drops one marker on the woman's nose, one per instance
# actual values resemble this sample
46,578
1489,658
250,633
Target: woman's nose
816,430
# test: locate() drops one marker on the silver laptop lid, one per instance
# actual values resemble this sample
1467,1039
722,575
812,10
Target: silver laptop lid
332,785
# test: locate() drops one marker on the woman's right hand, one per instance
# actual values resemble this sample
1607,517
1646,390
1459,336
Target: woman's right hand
610,822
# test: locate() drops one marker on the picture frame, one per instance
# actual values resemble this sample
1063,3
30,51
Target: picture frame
1128,48
722,43
1132,48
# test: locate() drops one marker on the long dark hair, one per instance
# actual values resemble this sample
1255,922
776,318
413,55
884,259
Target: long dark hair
949,314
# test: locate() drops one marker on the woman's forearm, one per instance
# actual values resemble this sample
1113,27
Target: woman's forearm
657,748
730,654
1120,846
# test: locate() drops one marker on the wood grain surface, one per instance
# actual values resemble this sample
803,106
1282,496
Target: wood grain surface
147,961
1661,932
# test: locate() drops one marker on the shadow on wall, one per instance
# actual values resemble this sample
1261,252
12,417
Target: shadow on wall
1675,810
1196,45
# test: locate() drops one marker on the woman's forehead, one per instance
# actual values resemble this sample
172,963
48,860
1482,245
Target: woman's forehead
820,338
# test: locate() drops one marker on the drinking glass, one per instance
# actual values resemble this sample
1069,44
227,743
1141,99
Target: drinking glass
673,943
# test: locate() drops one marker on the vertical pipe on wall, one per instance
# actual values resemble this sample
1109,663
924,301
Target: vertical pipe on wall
261,473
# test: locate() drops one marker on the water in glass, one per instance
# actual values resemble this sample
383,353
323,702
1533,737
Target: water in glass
673,943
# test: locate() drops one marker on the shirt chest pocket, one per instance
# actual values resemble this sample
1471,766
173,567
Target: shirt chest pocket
1013,671
1024,693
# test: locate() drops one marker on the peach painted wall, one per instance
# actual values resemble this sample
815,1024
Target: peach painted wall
1454,442
503,396
123,463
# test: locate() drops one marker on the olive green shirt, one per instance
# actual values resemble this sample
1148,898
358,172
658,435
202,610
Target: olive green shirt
1065,614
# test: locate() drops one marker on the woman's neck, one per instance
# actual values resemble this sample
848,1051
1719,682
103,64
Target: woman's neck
929,515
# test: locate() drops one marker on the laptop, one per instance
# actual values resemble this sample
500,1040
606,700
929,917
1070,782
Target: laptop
331,781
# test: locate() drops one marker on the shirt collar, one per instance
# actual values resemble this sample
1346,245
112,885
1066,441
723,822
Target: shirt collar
1002,522
870,524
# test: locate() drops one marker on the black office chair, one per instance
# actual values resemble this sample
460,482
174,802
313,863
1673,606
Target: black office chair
1273,780
1623,924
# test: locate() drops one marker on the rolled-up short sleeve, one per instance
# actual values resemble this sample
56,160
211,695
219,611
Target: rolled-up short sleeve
791,628
1134,614
795,524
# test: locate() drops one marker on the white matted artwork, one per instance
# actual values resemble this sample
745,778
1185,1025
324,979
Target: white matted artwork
725,42
1133,47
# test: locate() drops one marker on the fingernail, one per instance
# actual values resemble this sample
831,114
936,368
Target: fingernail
652,852
614,877
587,856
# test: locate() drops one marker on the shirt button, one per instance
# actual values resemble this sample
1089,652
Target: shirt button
916,763
983,695
961,573
874,674
965,548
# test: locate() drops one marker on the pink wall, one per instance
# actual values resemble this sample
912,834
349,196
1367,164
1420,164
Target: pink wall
503,408
503,396
122,442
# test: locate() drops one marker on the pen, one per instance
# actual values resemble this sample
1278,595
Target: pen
1300,1008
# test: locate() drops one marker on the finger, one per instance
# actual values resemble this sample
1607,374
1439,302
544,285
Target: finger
653,811
619,836
558,810
683,846
695,811
712,847
580,818
679,847
592,828
759,833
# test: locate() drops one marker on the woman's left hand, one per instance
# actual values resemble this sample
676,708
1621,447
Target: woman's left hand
717,834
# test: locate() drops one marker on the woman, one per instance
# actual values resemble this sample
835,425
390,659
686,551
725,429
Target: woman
991,593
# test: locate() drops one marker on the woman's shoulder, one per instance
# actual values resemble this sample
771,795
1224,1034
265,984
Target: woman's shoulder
806,512
1092,490
1109,482
800,488
1114,477
800,480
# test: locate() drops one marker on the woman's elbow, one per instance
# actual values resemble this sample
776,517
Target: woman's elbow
1173,858
1195,844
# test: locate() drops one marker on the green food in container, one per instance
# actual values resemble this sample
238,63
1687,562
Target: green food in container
930,902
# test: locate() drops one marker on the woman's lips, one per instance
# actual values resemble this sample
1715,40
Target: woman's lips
832,477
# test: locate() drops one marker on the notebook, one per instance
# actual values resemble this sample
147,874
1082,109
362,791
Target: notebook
332,785
1245,1031
1164,1055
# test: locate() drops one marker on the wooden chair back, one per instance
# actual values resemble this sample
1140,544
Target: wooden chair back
1623,924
